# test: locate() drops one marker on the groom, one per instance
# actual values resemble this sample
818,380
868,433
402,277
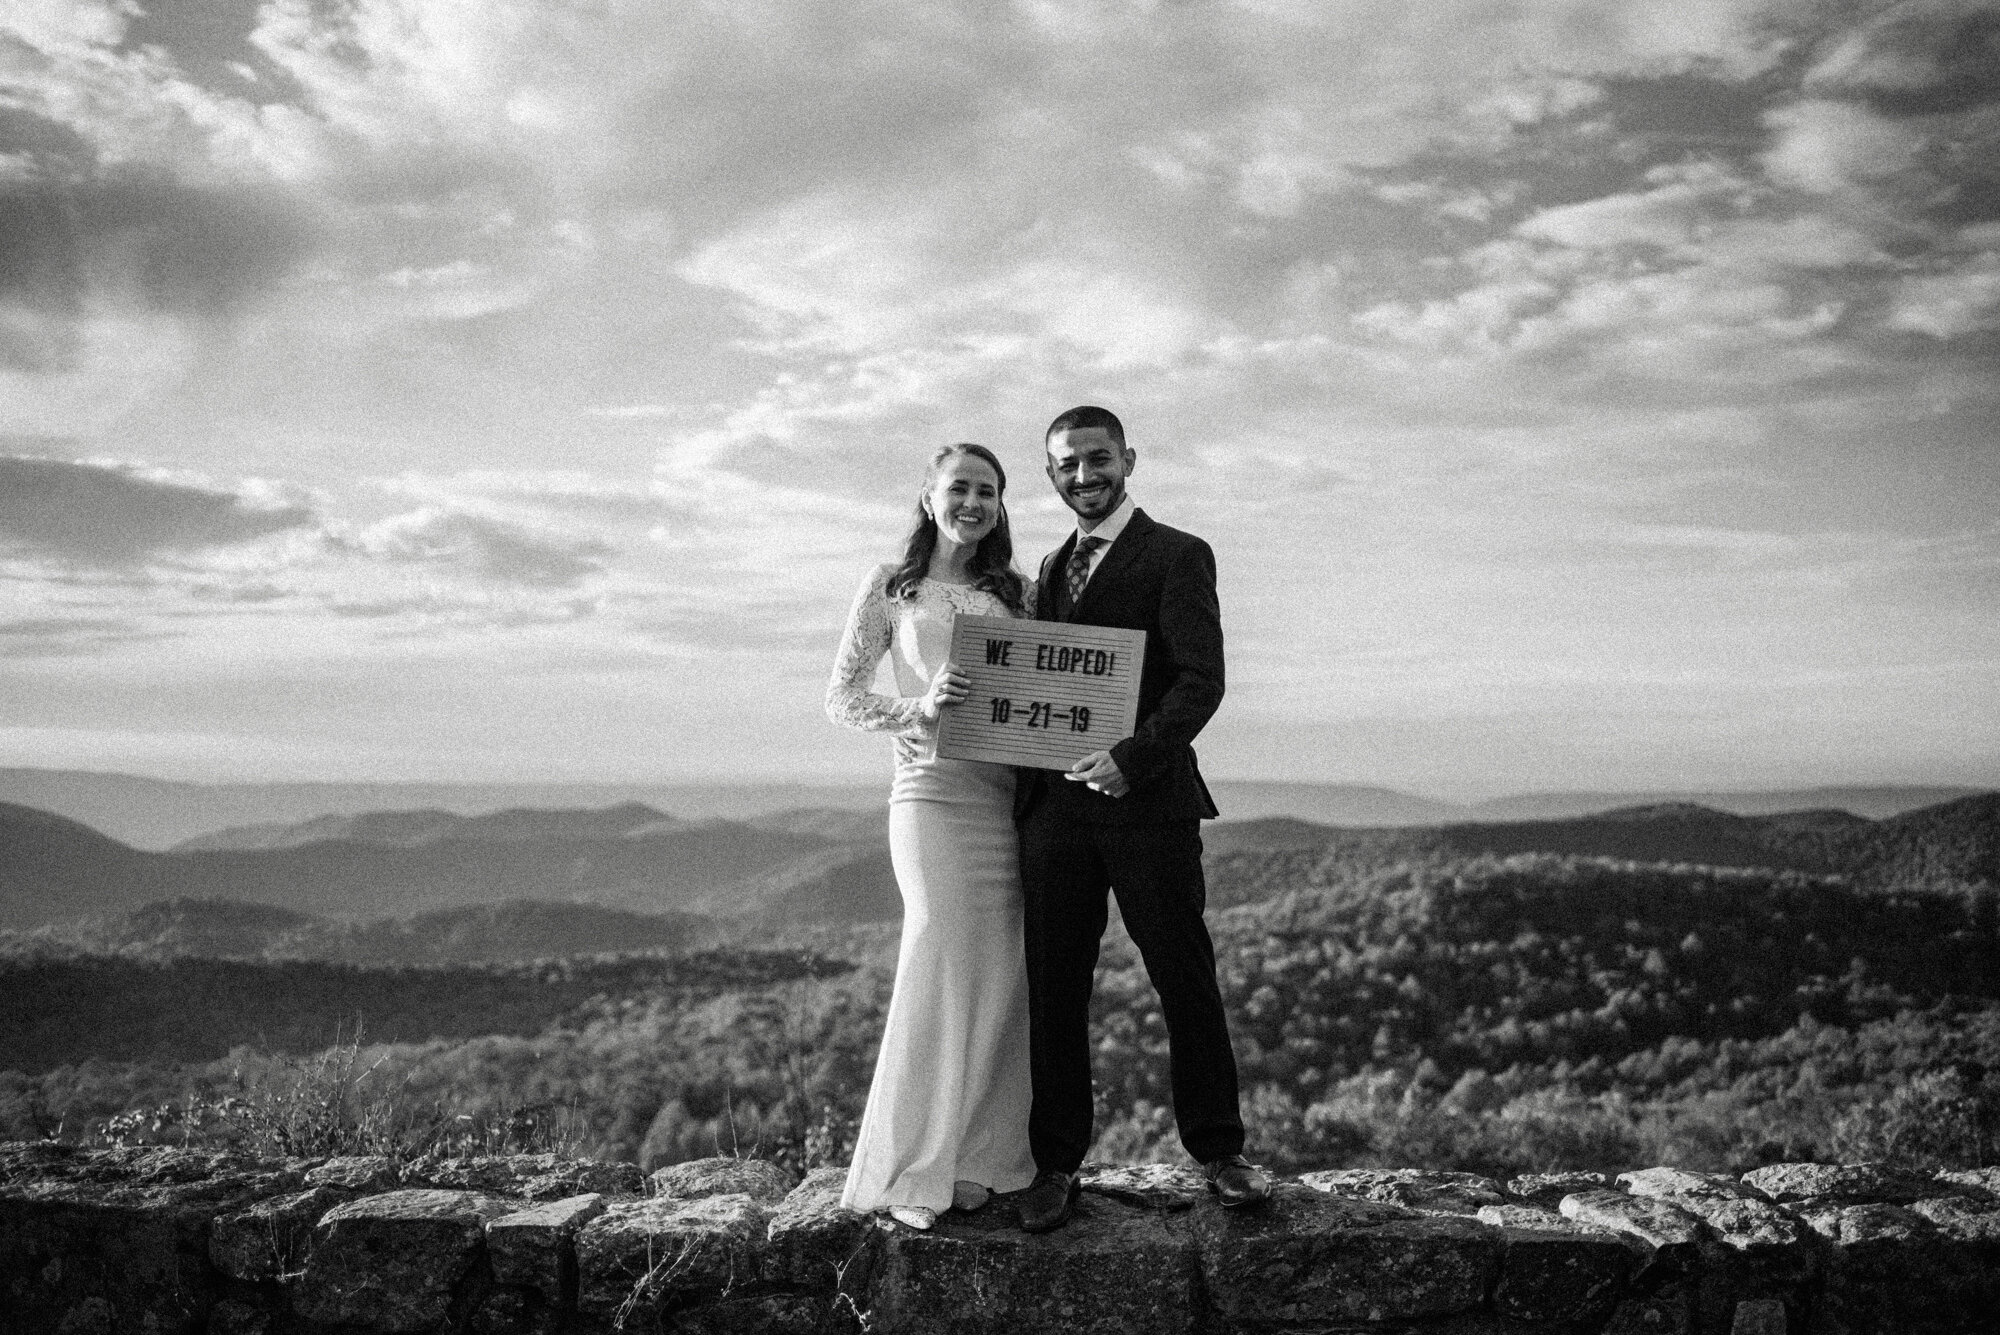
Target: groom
1127,820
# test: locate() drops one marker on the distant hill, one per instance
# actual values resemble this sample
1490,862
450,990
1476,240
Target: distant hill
628,857
160,813
396,829
869,826
1953,841
418,829
1875,803
1950,845
1329,804
1360,806
52,868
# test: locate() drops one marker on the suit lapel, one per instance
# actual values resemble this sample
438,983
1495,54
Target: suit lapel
1138,531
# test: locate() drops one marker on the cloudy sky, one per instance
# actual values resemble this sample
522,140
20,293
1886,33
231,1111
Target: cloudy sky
1576,394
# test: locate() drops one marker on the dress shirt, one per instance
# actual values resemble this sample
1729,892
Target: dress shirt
1106,533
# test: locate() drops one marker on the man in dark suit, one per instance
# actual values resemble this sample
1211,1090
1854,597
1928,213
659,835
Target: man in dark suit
1126,820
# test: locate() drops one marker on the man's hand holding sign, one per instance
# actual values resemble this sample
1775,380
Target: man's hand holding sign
1098,770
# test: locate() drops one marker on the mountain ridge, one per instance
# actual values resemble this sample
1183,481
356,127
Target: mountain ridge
53,869
156,814
418,829
818,867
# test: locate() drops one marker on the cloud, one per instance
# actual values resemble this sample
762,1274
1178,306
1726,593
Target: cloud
128,238
1667,216
1949,305
483,548
67,636
1827,147
107,516
1921,57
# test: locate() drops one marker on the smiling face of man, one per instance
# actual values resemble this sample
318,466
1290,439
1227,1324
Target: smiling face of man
1089,469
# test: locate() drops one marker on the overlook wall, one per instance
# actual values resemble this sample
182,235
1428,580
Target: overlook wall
164,1241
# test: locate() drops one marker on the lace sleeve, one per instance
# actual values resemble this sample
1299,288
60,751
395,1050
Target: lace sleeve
849,702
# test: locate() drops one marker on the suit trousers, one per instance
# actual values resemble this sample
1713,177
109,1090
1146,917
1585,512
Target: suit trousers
1067,865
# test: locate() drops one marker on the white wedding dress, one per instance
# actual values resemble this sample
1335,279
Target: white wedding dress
949,1101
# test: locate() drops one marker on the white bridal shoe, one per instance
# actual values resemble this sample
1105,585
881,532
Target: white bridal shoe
968,1195
915,1216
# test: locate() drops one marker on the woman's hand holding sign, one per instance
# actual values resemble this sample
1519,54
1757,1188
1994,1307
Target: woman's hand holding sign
948,687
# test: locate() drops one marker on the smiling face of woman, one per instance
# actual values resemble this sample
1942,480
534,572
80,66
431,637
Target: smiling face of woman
964,499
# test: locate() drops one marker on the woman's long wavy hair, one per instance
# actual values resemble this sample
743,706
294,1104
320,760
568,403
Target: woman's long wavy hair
992,561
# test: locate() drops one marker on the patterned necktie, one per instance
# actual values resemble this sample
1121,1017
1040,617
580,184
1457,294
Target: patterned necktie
1077,573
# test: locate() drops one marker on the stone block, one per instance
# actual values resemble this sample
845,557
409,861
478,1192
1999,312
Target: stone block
535,1176
768,1314
232,1317
646,1255
1149,1186
1310,1258
1968,1219
754,1178
356,1172
1549,1188
580,1177
1668,1310
1758,1316
1981,1182
813,1243
1672,1233
1887,1268
394,1262
1750,1226
1681,1186
1560,1274
92,1316
510,1310
1420,1189
1761,1251
1523,1216
269,1239
1873,1226
31,1161
1847,1184
1967,1253
536,1248
493,1174
1114,1269
127,1228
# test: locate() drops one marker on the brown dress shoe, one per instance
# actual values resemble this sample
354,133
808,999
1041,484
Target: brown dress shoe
1047,1202
1235,1183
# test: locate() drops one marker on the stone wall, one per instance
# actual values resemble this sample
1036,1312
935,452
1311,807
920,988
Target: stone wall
164,1240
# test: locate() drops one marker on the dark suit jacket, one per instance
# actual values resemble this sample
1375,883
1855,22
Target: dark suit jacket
1162,581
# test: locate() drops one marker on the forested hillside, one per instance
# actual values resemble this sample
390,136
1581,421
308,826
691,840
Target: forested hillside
1499,1013
64,1011
1956,843
227,929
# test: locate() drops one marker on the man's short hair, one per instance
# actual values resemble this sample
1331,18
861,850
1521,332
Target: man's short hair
1084,419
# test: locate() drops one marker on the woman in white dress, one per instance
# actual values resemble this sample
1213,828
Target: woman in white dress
947,1114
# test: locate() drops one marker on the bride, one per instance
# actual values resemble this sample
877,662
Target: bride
947,1114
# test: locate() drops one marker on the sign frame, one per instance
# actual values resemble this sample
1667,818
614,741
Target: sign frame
1044,693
